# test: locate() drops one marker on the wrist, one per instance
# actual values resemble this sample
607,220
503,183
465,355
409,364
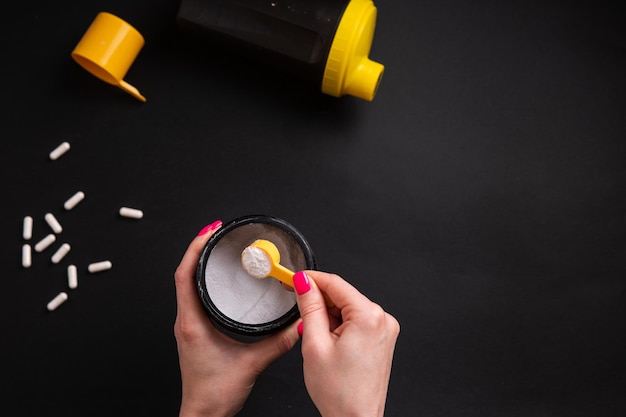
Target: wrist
202,409
194,412
344,410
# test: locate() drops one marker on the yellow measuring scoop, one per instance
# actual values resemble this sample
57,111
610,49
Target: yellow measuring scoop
262,259
107,50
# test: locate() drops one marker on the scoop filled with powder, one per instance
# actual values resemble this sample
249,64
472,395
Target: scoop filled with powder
262,259
256,262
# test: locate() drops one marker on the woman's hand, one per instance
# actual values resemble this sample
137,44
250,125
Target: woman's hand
217,372
347,349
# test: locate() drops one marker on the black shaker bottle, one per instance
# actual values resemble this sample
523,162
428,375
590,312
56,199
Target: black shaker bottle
325,42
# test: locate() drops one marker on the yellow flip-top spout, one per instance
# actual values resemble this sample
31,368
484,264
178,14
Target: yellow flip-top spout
349,71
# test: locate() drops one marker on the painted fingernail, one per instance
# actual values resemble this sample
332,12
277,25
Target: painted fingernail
301,282
300,328
209,228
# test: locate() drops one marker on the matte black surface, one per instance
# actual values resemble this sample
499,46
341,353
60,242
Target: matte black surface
480,198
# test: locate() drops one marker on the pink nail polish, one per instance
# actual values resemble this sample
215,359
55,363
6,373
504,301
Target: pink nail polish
206,229
301,282
300,328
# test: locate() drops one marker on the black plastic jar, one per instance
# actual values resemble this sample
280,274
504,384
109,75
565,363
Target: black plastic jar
236,302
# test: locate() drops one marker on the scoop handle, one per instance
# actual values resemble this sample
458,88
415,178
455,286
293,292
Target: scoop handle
131,90
282,274
285,276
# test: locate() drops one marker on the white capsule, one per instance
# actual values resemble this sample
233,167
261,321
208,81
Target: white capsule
57,301
59,150
45,242
53,223
27,229
131,213
27,258
72,276
74,200
63,250
99,266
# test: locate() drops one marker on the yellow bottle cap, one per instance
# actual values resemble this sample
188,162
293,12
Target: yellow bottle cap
107,50
348,67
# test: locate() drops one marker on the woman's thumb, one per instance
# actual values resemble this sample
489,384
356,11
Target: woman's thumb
312,306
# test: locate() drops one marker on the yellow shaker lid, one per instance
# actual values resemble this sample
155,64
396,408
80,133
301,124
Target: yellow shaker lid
348,67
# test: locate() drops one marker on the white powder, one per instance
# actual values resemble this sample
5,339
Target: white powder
238,295
255,261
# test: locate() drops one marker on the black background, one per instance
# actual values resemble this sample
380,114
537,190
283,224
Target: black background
480,198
